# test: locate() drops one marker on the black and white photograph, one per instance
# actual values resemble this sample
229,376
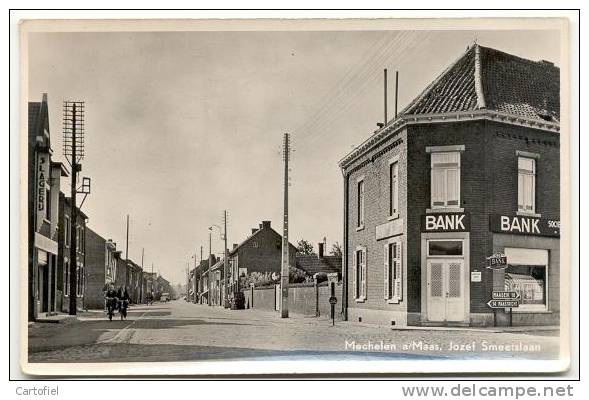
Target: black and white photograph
321,196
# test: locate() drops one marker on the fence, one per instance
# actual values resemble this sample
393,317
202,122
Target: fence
303,298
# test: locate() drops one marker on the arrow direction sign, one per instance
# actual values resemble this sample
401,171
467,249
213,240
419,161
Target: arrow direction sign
505,295
498,303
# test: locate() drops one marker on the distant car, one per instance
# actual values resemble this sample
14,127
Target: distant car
165,297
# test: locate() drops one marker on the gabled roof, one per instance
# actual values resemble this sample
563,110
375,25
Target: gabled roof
312,264
252,236
485,78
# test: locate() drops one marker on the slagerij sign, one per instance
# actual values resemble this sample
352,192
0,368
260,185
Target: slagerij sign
524,225
444,222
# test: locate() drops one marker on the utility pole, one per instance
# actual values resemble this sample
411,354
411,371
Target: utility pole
127,244
73,146
396,91
284,272
141,283
225,261
209,285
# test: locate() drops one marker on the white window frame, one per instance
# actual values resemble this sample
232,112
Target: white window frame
522,174
360,295
361,203
445,168
393,294
394,188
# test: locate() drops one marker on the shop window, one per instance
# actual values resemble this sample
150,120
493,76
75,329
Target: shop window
530,282
527,274
360,274
361,204
445,248
393,271
445,180
526,184
394,188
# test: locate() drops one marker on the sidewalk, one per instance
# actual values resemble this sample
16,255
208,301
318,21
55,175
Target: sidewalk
298,318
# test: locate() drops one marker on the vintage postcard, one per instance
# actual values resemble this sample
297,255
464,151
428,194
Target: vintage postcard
246,197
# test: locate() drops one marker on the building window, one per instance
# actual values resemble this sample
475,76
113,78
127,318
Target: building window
394,189
67,231
255,244
67,279
527,274
526,184
393,271
361,204
360,274
444,248
445,180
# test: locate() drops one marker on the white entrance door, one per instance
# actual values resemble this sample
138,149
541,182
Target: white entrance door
445,289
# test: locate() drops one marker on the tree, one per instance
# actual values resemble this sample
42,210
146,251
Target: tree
336,250
304,247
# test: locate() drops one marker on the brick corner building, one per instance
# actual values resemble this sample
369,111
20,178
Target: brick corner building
468,169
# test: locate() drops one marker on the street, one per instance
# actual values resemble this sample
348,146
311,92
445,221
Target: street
180,331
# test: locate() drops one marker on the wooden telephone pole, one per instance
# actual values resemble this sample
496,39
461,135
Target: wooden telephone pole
284,272
73,149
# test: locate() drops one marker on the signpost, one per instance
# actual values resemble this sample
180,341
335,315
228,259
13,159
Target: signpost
333,302
504,299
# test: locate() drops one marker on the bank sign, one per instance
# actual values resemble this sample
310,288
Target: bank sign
445,222
521,225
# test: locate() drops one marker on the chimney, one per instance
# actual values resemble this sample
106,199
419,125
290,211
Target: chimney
235,246
265,224
321,249
260,226
254,230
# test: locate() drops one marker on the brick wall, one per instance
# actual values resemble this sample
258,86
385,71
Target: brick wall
488,186
63,256
374,168
95,269
303,299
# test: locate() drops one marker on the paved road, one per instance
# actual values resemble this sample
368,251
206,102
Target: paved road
178,331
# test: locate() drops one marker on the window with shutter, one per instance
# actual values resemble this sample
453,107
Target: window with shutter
364,273
361,203
387,279
445,180
526,181
394,188
398,294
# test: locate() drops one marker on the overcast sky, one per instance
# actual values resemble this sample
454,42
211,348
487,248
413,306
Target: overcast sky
180,126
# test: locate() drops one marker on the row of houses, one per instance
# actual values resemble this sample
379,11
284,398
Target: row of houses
259,253
468,171
98,263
